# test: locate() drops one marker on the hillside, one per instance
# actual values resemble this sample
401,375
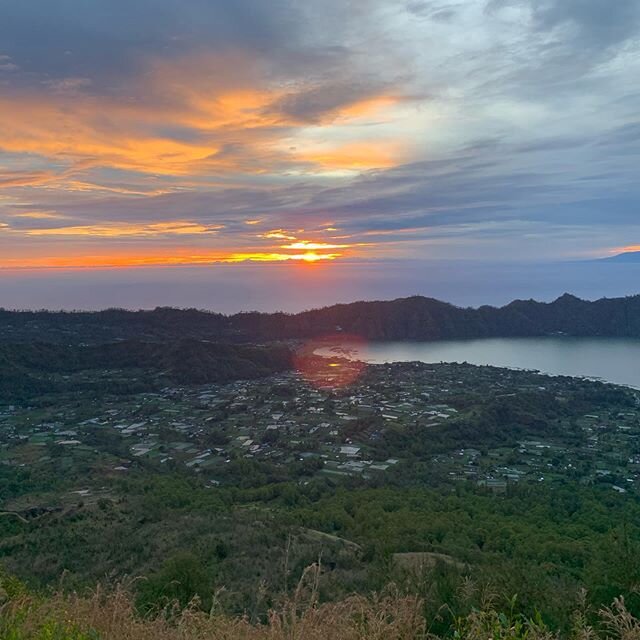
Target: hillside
28,369
430,477
185,461
415,318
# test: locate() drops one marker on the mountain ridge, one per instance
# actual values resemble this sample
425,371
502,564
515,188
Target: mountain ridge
411,318
626,257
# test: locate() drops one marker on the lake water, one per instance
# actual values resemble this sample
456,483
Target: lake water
610,359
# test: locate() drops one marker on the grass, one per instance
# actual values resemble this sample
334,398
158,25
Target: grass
112,615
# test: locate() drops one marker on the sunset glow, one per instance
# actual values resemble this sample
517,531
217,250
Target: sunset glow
293,133
628,249
177,258
195,128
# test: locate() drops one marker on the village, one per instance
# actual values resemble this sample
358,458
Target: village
315,428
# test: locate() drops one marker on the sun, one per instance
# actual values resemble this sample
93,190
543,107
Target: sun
312,256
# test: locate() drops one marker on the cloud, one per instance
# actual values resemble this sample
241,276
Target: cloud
38,215
193,116
6,65
590,23
225,128
24,178
439,11
328,102
178,228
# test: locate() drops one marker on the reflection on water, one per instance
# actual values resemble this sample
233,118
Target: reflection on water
344,351
610,359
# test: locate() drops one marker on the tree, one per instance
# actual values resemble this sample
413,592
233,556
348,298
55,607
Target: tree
180,580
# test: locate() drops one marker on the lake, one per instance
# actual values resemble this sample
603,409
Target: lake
610,359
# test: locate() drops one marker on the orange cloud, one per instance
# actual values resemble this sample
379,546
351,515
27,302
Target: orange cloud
354,156
24,178
125,230
189,117
217,102
229,134
374,106
194,122
73,132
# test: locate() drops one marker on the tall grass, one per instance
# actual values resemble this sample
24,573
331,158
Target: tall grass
112,615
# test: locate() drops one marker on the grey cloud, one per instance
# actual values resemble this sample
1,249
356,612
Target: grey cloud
106,41
554,144
592,23
493,183
560,47
312,105
626,134
433,10
586,29
595,23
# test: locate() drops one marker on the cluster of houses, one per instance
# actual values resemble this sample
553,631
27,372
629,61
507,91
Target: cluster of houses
333,430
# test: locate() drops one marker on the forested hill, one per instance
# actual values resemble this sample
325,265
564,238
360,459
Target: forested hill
35,368
415,318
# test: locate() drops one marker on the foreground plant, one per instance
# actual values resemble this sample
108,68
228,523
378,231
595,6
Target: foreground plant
112,615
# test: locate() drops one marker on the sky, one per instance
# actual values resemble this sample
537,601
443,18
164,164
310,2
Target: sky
245,153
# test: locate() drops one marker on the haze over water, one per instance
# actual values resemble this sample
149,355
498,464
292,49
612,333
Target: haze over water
614,360
293,288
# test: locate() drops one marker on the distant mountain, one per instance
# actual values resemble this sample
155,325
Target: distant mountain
415,318
625,257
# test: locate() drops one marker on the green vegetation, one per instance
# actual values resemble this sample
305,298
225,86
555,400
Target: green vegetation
543,544
451,482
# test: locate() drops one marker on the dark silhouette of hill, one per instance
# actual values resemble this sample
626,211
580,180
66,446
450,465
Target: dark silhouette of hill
626,257
415,318
28,369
